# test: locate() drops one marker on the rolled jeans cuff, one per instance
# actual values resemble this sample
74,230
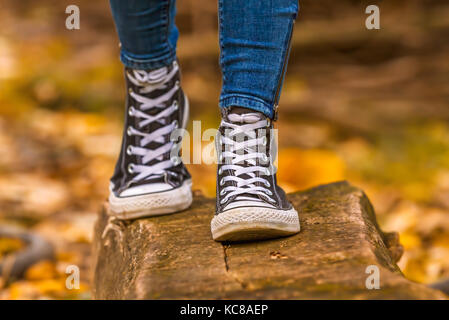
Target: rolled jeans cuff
146,63
247,102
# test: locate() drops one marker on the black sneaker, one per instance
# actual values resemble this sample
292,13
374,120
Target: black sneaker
149,177
250,204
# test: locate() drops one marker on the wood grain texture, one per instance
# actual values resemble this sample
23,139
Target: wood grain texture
174,257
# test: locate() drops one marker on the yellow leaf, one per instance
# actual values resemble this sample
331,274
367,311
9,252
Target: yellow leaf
10,245
41,270
300,169
410,240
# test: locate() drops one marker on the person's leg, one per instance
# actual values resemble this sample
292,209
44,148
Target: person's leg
149,178
255,42
147,32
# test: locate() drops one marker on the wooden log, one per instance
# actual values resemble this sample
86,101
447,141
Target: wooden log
174,257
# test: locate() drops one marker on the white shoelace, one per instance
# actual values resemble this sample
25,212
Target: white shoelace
149,82
237,152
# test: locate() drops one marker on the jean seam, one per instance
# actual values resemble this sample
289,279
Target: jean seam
220,41
283,67
165,14
168,17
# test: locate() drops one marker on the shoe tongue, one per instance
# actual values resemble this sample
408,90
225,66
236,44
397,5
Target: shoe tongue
150,76
157,75
244,115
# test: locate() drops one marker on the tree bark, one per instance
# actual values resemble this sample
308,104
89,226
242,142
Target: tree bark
174,257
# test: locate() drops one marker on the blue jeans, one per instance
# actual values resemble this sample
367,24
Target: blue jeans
254,44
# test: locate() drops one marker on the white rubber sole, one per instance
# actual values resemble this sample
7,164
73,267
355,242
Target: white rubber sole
254,223
152,204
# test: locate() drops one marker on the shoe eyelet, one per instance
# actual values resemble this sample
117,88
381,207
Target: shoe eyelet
264,157
129,150
129,131
264,141
175,124
269,192
131,168
130,90
222,192
221,158
222,182
267,172
177,83
220,171
176,105
175,63
267,184
131,111
175,160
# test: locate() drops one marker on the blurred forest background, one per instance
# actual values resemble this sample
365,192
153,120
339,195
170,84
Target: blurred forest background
370,106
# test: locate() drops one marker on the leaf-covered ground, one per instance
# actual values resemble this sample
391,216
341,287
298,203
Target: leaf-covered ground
368,106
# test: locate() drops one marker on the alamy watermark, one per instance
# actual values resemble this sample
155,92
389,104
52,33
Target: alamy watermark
372,282
373,20
72,22
73,279
202,146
